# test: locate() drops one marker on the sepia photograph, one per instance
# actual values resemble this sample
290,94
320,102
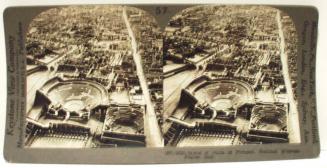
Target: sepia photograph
94,78
161,83
108,76
230,77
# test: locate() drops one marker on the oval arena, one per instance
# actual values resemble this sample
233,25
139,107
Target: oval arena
223,94
77,95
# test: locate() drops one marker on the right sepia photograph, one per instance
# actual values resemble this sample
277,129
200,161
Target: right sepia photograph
230,77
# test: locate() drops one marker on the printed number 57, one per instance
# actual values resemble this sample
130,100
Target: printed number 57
161,10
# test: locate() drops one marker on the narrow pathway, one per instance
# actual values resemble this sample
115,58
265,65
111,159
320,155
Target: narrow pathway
152,130
293,118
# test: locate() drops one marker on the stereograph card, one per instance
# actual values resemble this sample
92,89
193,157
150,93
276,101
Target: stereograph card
122,84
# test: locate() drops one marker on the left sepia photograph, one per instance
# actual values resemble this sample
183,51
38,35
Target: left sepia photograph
94,78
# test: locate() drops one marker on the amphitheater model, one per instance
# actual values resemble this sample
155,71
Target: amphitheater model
268,123
124,124
218,112
220,98
60,115
68,99
74,113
